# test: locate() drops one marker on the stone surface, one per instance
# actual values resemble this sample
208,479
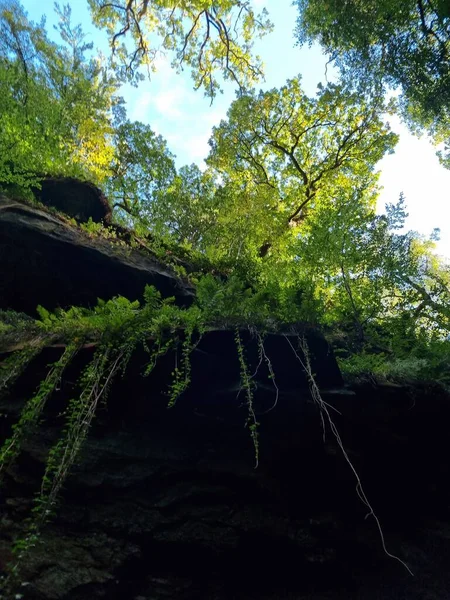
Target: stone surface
44,260
167,504
81,200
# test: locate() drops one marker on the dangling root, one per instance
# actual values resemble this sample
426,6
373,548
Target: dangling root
263,355
325,414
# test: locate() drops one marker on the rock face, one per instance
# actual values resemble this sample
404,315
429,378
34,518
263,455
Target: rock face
81,200
167,504
44,260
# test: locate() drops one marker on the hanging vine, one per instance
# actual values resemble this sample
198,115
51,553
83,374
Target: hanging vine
12,367
247,385
96,382
115,329
29,417
182,371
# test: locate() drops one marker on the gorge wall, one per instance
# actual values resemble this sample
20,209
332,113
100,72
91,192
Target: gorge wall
168,504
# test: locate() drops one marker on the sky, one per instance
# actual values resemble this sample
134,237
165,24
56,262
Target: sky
185,117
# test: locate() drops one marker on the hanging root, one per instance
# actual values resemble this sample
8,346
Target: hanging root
325,415
263,355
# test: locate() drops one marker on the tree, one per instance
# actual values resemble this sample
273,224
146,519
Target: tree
205,36
423,283
149,194
284,154
55,102
141,168
376,280
399,43
187,209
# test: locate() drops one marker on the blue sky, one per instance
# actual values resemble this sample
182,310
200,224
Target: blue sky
185,118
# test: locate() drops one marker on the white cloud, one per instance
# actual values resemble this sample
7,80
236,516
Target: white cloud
168,103
162,64
139,108
198,147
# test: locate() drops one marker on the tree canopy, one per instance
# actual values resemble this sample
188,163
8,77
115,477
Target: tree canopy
207,37
403,44
285,209
55,100
291,154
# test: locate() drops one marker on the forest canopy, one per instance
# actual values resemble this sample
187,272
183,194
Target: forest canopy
285,209
396,44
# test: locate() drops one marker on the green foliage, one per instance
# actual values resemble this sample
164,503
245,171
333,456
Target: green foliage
55,102
399,43
142,169
186,210
13,365
284,156
94,383
13,326
95,230
280,228
29,417
182,373
228,301
116,327
207,38
382,367
235,302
